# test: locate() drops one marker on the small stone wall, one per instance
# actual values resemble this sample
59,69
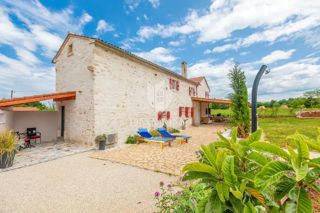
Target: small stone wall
311,114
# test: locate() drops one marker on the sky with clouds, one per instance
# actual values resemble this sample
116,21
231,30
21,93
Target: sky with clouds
210,35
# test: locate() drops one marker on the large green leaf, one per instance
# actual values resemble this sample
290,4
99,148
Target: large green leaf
234,134
313,144
271,173
313,174
301,172
199,175
219,188
222,138
255,136
270,148
209,154
199,167
228,171
221,155
222,144
304,204
249,208
315,160
257,158
301,142
283,188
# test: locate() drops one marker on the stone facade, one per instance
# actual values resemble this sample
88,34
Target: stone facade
117,92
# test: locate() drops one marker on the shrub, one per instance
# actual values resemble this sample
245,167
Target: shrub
101,138
255,176
180,198
239,98
7,141
132,139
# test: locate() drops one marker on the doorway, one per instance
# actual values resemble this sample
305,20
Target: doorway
62,120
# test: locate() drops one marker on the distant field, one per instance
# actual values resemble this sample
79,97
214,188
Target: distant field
277,129
278,125
267,112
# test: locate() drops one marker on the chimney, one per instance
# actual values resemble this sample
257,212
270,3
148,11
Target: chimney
184,69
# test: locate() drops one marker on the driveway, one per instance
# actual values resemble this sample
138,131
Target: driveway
168,160
78,183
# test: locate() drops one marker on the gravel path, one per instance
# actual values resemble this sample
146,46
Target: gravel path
79,184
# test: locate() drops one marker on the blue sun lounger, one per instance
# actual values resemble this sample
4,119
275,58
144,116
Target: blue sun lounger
181,138
147,137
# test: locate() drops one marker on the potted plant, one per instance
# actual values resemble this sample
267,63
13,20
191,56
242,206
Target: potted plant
7,148
101,139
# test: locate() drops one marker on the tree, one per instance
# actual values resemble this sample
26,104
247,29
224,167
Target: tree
312,94
239,98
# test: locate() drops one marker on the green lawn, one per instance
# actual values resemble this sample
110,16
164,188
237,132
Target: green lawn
277,129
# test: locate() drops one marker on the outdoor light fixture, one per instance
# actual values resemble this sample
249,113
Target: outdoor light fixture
254,118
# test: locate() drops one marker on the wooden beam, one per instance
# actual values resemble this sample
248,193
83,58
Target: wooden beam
29,99
210,100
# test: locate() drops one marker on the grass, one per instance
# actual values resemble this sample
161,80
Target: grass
267,112
277,129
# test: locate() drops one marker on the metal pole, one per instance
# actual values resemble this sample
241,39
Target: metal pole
12,94
254,98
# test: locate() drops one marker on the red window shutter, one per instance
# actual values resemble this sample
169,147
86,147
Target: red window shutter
180,112
192,112
159,116
187,112
168,115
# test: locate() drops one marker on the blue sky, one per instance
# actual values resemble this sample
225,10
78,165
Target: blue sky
210,35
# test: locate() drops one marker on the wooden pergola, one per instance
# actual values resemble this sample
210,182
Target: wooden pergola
62,96
211,100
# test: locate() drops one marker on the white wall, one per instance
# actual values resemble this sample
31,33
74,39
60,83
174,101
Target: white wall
6,120
45,122
202,89
72,74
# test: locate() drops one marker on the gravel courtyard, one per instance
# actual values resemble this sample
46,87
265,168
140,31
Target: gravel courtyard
169,160
78,183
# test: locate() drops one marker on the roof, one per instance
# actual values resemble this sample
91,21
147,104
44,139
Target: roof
210,100
121,51
199,79
62,96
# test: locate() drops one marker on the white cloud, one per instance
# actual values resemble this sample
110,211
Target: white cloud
103,27
288,80
155,3
273,19
40,32
277,55
158,55
177,43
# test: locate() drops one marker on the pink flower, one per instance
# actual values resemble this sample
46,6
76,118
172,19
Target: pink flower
157,194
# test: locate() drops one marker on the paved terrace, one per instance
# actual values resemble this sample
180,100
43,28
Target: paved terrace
168,160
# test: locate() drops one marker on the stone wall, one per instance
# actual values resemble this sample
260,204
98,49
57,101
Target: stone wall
129,95
73,74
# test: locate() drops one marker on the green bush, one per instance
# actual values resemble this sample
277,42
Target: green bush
132,139
255,176
101,138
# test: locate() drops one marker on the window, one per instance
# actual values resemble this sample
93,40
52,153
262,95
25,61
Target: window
70,49
192,91
207,94
174,84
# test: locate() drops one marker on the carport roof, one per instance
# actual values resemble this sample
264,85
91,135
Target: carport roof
211,100
61,96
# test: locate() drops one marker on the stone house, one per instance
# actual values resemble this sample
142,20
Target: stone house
118,92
